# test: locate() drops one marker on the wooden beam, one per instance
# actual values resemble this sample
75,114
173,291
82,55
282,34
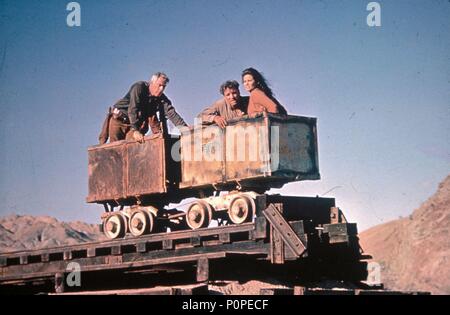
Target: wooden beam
202,270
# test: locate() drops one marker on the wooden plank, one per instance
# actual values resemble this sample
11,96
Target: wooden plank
337,239
184,245
299,290
59,283
276,291
159,237
114,260
197,289
167,244
134,260
340,229
277,247
202,270
195,240
334,216
23,260
116,250
141,247
212,243
260,230
67,255
91,252
224,237
45,257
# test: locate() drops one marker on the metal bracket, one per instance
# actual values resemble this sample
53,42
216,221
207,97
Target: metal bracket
284,229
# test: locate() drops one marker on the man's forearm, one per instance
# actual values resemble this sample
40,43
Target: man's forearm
174,117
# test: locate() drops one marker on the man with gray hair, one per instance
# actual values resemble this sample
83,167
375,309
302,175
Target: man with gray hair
131,116
231,106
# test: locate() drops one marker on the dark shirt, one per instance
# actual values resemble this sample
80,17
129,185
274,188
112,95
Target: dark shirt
139,106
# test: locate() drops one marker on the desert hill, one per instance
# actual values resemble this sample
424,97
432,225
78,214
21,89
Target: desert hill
19,232
414,252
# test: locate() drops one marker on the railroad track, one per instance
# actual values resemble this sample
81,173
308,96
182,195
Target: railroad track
286,238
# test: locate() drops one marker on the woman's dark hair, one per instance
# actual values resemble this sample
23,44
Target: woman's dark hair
260,81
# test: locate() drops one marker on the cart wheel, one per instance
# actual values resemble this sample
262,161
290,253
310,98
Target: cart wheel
241,209
199,215
115,226
141,222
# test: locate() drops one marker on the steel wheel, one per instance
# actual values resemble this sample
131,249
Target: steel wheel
141,222
115,226
241,209
198,215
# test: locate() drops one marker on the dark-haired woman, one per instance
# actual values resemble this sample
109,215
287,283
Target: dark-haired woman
261,96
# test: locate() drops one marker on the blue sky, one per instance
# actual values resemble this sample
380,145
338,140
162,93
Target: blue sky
381,94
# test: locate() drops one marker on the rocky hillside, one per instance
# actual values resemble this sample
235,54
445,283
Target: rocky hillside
28,232
414,252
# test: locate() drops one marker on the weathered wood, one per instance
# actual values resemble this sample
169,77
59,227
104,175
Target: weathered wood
152,238
334,215
45,257
276,242
299,290
277,247
91,252
196,289
116,250
276,291
337,239
114,260
184,245
224,237
340,229
134,260
167,244
141,247
67,255
195,240
59,283
260,230
159,249
212,243
23,260
202,270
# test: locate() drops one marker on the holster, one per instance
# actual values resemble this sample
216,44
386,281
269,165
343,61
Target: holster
104,133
